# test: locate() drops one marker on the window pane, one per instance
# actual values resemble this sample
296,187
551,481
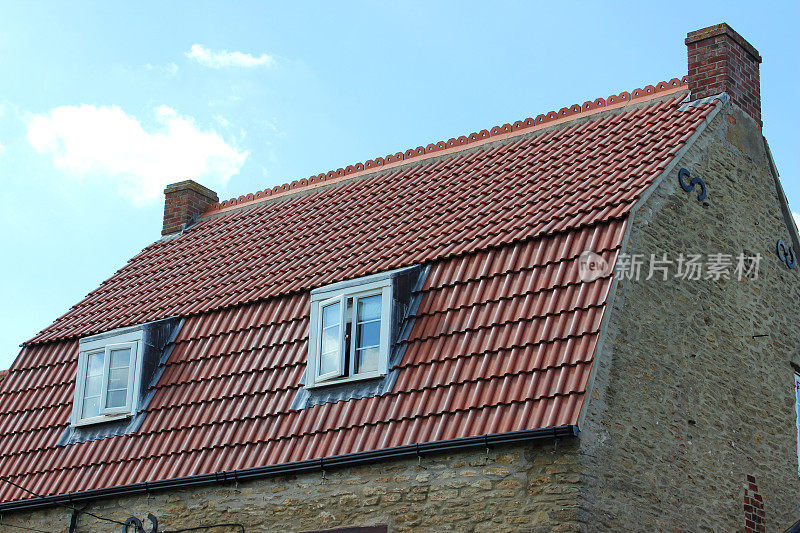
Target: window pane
369,334
369,308
116,398
118,372
91,407
330,340
367,360
94,366
120,358
92,387
118,378
328,362
330,315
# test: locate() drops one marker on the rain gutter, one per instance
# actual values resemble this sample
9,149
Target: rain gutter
297,467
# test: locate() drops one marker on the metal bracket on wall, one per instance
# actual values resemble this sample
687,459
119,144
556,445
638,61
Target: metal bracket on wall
786,254
73,521
137,524
688,183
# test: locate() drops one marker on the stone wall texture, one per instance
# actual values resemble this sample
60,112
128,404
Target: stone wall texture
532,487
693,387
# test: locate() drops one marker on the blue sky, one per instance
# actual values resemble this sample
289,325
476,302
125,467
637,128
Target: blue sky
103,103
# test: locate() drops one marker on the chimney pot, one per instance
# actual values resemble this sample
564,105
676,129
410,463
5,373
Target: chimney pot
183,203
721,60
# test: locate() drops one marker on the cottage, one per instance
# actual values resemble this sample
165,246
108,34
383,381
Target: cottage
580,321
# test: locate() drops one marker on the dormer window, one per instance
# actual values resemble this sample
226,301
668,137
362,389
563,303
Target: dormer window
108,371
115,372
351,338
352,327
109,377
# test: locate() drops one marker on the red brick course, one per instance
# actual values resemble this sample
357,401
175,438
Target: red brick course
720,60
184,202
753,507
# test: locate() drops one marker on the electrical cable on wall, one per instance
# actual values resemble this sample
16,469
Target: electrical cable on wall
98,517
24,528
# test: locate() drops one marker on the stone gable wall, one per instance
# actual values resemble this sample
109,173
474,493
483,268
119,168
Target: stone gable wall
692,402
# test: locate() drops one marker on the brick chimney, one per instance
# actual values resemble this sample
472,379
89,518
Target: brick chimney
183,203
721,60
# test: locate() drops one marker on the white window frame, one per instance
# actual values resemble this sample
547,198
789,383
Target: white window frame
383,341
339,370
105,410
105,343
341,292
797,412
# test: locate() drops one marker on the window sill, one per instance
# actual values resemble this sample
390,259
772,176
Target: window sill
95,420
350,379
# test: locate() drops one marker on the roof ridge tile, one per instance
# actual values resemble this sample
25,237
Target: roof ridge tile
573,111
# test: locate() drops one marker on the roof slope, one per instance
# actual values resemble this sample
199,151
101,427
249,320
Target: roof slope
503,338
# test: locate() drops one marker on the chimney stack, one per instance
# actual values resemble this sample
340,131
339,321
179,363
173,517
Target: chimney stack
183,203
720,60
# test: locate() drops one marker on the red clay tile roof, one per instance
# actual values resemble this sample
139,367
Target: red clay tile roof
503,339
456,144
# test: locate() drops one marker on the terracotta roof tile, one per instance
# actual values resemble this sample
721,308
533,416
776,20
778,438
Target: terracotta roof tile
503,339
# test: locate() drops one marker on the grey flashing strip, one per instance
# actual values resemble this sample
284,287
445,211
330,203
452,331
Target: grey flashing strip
786,211
297,467
722,97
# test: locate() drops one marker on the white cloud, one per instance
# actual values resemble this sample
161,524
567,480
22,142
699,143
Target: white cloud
224,122
101,143
170,68
223,58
